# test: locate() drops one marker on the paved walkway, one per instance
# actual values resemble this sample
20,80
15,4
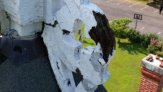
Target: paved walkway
152,21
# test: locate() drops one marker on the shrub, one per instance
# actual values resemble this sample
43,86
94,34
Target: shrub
121,30
146,39
159,53
154,45
134,36
120,27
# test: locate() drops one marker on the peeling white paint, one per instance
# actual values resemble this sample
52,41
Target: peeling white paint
65,53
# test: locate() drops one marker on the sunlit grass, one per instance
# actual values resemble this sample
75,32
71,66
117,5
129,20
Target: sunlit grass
125,68
85,41
138,1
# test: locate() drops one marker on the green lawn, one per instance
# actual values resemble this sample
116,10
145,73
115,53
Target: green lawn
125,67
139,1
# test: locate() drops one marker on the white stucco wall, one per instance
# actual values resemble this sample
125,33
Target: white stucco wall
23,11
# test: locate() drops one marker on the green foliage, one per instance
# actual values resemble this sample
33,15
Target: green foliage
134,36
120,27
157,1
143,39
146,39
152,49
159,53
155,45
121,30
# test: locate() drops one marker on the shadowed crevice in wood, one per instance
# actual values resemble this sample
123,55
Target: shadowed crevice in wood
103,34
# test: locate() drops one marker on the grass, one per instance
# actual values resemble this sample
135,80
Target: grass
85,41
139,1
125,68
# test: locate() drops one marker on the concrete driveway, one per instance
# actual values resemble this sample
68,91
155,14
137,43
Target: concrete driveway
152,21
